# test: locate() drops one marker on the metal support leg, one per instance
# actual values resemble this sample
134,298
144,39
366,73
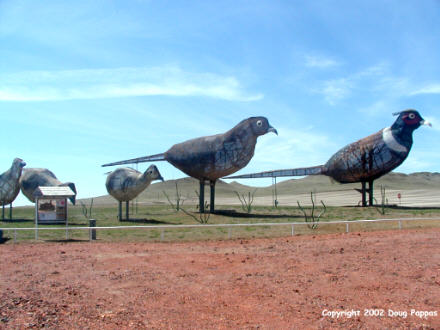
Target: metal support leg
10,211
120,211
212,197
364,193
3,212
127,207
202,197
370,193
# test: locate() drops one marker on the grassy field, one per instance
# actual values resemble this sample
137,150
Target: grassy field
164,214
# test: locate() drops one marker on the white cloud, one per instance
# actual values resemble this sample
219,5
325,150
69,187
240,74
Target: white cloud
374,81
320,62
120,82
429,89
335,90
293,148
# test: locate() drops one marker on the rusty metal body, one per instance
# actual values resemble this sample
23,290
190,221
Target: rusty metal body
209,158
364,160
32,178
125,184
213,157
9,185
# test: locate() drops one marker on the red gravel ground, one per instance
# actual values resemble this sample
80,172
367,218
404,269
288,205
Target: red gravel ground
280,283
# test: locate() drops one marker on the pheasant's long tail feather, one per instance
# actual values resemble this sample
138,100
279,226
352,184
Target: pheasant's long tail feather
290,172
152,158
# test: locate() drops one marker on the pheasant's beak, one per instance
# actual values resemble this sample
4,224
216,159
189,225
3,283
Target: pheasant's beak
273,130
425,122
161,178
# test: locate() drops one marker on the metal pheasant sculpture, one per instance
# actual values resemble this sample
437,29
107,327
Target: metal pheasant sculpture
209,158
9,185
32,178
365,160
125,184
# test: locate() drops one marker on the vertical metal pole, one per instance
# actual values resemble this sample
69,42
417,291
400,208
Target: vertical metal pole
202,197
229,232
10,211
293,229
92,232
36,217
136,202
3,212
212,197
120,211
15,235
66,218
162,235
363,192
127,208
346,227
400,224
370,193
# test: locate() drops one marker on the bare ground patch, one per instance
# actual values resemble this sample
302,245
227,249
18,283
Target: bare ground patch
270,283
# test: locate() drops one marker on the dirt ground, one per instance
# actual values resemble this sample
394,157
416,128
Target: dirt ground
280,283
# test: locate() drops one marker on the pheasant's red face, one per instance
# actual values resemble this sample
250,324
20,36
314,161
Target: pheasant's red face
411,118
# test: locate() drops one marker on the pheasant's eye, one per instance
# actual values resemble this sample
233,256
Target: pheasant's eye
259,123
411,116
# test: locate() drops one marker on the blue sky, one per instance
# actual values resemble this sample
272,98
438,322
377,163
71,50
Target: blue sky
83,83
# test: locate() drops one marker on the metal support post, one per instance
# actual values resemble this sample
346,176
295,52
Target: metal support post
92,232
370,193
364,193
212,197
120,211
202,197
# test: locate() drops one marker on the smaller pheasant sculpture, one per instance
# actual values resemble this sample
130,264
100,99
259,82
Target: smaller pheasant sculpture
364,160
125,184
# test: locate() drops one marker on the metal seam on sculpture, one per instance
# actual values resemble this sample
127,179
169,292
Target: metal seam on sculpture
391,142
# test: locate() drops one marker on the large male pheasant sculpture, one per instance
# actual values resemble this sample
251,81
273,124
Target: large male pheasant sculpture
365,160
209,158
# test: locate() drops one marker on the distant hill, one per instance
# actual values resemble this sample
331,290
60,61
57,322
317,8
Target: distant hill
189,187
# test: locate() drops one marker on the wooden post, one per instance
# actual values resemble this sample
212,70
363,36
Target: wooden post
212,197
202,197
